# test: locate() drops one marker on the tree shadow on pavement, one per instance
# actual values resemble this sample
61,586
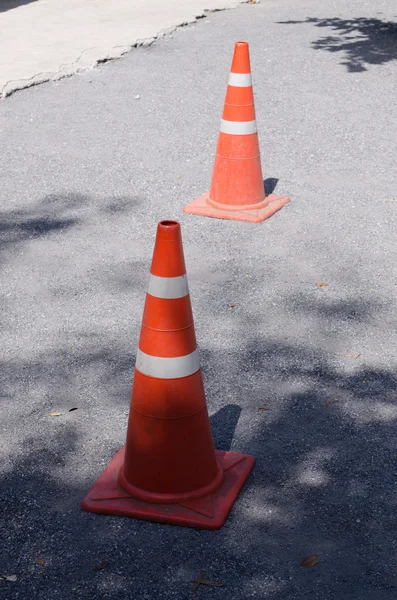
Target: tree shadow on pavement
324,482
17,227
363,41
54,214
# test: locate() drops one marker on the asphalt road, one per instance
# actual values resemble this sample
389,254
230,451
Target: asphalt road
88,168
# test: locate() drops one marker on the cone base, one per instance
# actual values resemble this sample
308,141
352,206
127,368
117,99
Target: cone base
210,512
200,206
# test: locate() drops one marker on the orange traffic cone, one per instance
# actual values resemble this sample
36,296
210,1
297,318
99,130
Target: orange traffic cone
168,470
237,188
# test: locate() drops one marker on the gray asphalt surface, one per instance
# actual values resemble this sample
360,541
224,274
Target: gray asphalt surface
87,171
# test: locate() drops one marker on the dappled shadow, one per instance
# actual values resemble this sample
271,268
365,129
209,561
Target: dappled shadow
322,431
323,483
111,370
342,310
363,41
16,228
54,214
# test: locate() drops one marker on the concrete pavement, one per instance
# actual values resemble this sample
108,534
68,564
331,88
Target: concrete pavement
50,39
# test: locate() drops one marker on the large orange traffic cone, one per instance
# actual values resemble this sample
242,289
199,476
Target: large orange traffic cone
168,470
237,188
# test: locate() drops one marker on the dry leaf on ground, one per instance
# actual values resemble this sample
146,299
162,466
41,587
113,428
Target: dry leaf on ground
310,561
196,581
201,581
232,305
353,356
53,414
263,408
102,565
321,284
330,402
40,562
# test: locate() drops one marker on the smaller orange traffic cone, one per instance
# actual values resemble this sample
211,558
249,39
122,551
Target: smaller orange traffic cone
168,470
237,188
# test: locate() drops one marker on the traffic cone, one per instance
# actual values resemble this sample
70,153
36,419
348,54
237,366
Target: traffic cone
168,470
237,189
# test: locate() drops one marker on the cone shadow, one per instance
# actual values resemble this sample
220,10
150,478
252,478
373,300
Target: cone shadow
223,425
270,185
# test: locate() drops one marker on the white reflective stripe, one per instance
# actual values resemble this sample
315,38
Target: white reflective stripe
240,79
168,287
238,127
167,368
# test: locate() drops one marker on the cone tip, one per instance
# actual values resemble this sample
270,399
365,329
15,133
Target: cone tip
168,230
241,58
169,223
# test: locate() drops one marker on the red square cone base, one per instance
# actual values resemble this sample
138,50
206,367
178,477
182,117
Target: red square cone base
200,206
109,498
